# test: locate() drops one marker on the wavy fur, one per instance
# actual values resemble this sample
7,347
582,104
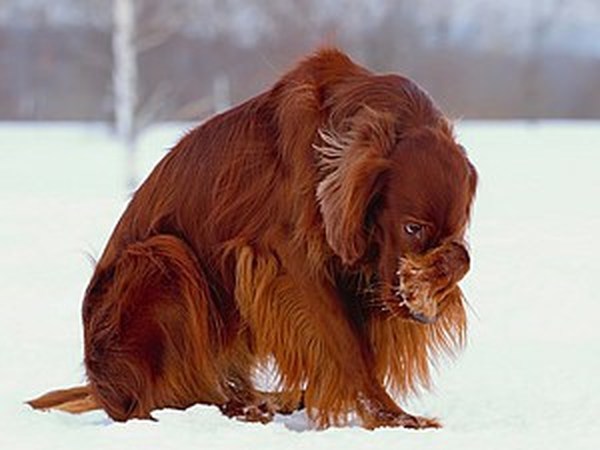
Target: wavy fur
274,232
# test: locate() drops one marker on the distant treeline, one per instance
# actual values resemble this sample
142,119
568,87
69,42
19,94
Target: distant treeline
51,73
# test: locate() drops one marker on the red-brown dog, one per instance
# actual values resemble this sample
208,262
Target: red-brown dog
319,225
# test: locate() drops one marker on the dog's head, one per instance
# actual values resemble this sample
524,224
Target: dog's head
396,194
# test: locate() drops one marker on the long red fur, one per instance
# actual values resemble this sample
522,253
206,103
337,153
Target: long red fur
257,239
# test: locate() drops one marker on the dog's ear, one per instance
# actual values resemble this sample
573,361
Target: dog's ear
353,163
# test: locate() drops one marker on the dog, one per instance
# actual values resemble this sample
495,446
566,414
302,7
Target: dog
319,227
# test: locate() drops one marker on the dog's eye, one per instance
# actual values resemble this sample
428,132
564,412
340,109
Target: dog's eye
413,229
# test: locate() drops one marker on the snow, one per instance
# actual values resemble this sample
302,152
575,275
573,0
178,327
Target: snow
528,379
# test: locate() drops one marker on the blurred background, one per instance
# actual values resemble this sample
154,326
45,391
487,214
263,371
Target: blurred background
63,59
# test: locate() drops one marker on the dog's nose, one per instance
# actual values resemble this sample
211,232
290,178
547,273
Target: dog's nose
422,318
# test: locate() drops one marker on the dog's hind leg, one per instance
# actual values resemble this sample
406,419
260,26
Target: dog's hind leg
150,330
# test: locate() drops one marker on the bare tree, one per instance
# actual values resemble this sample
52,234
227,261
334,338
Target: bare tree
139,26
125,79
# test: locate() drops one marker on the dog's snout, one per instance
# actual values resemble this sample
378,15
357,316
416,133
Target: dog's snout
423,318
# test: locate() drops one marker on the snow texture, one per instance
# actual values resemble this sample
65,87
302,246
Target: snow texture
528,379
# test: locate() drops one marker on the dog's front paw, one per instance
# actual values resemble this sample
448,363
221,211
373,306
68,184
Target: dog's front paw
415,291
424,280
262,412
384,419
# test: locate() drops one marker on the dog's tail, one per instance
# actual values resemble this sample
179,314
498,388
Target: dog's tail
75,400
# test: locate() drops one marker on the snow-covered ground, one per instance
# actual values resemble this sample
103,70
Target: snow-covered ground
528,379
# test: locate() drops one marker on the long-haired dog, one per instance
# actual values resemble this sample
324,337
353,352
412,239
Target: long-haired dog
319,225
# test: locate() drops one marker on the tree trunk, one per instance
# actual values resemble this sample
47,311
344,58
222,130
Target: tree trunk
125,80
